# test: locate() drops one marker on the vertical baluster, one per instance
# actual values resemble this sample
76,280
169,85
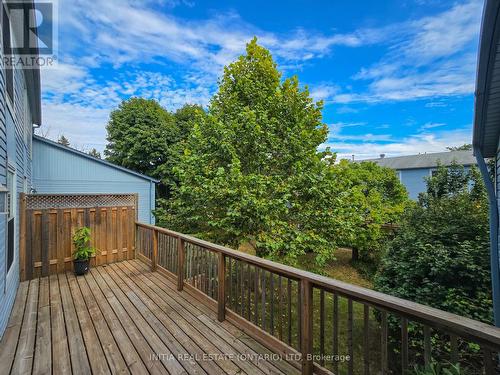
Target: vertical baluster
242,287
335,331
236,285
289,315
271,296
256,295
168,260
280,309
154,258
366,339
404,345
214,274
194,265
350,346
249,287
306,317
299,312
427,346
188,261
489,366
322,327
454,348
230,282
207,269
221,295
263,286
180,266
383,342
209,273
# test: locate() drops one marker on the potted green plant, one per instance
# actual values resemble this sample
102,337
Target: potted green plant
83,250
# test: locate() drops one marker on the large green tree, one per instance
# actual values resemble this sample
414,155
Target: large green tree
140,132
440,256
251,171
146,138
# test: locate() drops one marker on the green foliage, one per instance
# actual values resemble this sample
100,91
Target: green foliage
81,240
148,139
440,255
439,369
251,170
95,153
63,140
377,197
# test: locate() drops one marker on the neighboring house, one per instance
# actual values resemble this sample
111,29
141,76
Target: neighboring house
60,169
486,131
412,170
20,110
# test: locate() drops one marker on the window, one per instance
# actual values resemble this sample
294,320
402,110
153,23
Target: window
11,213
433,172
6,44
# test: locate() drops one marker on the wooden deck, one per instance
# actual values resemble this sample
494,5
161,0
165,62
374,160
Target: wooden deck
123,318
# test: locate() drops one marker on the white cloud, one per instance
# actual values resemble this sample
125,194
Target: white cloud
431,125
366,148
430,57
425,59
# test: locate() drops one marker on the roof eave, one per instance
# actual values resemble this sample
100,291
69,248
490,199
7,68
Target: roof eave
87,156
486,61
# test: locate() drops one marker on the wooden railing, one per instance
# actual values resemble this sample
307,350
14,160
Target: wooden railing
330,326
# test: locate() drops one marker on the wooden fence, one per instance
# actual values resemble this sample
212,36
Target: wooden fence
48,222
333,327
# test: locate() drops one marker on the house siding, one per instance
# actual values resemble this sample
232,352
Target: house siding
57,171
15,140
414,180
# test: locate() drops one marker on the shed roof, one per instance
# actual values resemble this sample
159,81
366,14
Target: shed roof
426,160
97,160
487,98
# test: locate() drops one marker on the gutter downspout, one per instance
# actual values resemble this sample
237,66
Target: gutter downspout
494,258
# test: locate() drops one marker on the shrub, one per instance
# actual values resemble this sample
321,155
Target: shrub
81,240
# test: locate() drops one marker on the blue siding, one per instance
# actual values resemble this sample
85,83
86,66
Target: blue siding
15,140
414,181
58,171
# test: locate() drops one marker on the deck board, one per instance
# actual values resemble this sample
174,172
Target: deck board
123,318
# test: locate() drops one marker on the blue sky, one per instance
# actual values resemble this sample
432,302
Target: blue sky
397,77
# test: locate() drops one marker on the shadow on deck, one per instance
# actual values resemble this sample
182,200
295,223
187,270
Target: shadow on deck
123,318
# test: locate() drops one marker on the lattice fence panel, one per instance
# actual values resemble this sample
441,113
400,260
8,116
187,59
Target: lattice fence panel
48,201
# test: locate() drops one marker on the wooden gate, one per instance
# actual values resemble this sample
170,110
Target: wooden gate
48,222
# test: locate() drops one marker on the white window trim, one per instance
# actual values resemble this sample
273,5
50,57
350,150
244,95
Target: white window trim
8,274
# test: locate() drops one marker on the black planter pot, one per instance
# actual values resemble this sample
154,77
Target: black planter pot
81,266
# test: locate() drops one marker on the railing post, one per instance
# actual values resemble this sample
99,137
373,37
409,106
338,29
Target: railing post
154,256
221,296
306,326
180,266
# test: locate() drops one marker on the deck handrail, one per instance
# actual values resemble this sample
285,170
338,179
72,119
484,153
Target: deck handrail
481,333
